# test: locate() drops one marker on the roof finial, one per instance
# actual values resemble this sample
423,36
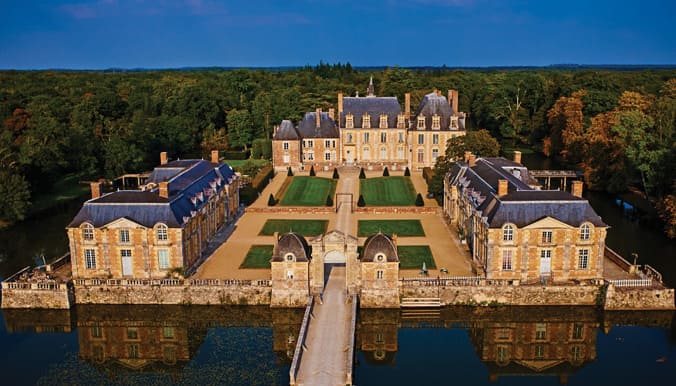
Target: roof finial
370,90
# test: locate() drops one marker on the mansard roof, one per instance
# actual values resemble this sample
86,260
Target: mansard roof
286,131
379,243
522,205
190,184
307,128
374,106
292,243
435,104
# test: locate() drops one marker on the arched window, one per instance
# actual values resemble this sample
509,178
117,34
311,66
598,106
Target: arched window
162,232
507,233
585,232
88,232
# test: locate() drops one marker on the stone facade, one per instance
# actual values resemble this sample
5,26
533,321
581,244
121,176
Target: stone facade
290,268
30,296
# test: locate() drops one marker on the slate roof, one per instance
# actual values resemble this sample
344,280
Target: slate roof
379,243
292,243
189,180
433,104
522,205
307,128
286,131
374,106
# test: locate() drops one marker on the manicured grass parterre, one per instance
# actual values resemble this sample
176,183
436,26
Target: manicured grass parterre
404,228
412,257
258,257
388,191
304,227
308,191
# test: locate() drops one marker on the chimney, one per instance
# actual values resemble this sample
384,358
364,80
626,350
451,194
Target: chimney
472,160
318,118
332,114
407,105
164,189
576,188
502,187
274,130
214,156
517,156
394,239
340,104
467,154
96,189
163,158
453,100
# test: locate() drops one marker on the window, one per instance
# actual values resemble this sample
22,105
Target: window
349,137
383,153
507,260
380,338
507,233
133,350
327,156
333,143
585,232
421,123
435,155
285,145
168,333
124,235
125,252
366,121
289,257
383,137
366,137
539,351
367,154
349,122
132,333
162,233
576,353
88,232
436,122
311,155
578,331
383,121
435,139
400,138
90,259
547,237
310,143
546,254
421,139
169,354
421,155
400,152
401,121
502,355
380,257
454,122
96,331
289,274
540,331
379,274
163,258
583,259
327,143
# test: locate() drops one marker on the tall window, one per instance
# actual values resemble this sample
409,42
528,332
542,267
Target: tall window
349,122
400,152
421,155
366,121
454,122
285,145
507,233
163,258
162,233
578,331
421,123
400,138
383,121
327,143
124,235
349,137
583,259
547,237
539,351
540,331
327,156
576,353
585,232
90,259
88,232
507,260
379,274
383,137
435,155
310,143
435,139
421,139
96,331
132,351
436,122
367,137
383,153
401,121
366,153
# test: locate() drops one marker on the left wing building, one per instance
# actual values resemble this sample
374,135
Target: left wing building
163,226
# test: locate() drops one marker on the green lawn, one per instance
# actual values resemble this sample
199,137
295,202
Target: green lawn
237,163
308,191
304,227
258,257
388,191
402,228
412,257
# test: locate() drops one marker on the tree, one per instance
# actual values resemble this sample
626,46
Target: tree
271,200
566,121
479,142
667,212
335,174
240,128
360,201
386,173
419,200
14,195
329,200
362,175
312,171
407,172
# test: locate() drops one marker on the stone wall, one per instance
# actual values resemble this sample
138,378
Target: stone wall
646,298
307,210
59,298
155,294
397,209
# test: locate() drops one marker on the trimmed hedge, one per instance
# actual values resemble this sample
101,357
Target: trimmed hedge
262,178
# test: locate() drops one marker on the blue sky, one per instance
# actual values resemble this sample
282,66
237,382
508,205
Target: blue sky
99,34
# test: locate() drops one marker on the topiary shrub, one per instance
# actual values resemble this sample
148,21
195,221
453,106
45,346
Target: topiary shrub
386,173
329,200
362,175
407,173
361,201
312,171
289,172
419,200
335,174
271,200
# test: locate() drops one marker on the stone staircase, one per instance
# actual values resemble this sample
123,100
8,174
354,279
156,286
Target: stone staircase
420,303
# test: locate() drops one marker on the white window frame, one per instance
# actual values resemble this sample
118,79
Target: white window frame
583,258
349,121
508,233
507,260
163,259
383,121
436,122
285,145
162,232
421,123
124,236
435,139
421,139
366,121
87,232
90,258
585,232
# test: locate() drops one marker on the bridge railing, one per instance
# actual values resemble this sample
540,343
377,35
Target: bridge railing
302,335
172,282
631,282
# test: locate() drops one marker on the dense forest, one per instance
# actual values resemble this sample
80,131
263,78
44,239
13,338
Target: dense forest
618,126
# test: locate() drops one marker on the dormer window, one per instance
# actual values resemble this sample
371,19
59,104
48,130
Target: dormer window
585,232
366,121
162,233
288,257
421,123
436,122
124,236
88,232
454,122
383,121
349,121
401,121
380,257
508,233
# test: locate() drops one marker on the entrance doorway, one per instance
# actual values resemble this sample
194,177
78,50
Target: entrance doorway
545,262
334,257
